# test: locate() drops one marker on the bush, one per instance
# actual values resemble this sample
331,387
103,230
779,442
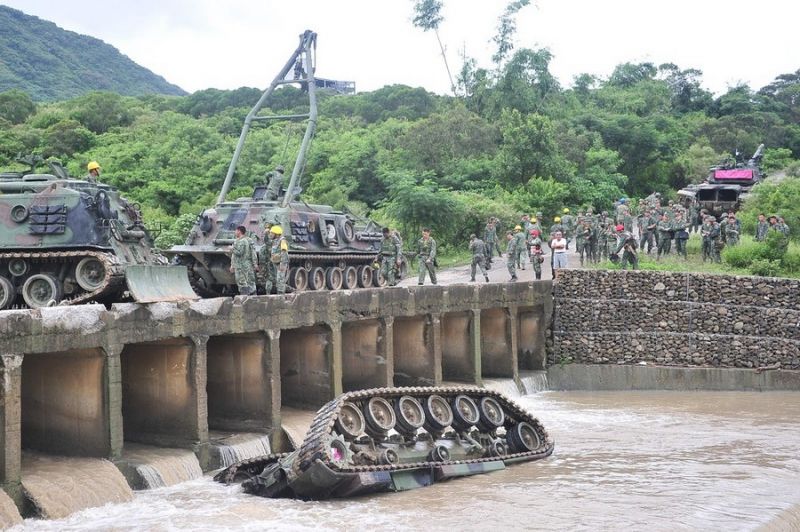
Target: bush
743,254
765,267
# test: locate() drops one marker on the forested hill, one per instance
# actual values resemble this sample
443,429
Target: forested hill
50,63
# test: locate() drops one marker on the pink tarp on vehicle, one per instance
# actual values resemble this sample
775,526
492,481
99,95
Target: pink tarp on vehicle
736,173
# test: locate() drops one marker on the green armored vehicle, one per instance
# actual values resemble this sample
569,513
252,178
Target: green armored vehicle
327,248
68,240
395,439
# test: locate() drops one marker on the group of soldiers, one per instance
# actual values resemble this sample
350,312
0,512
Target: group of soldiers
390,256
271,261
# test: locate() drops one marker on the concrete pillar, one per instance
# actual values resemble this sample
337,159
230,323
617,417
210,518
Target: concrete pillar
335,361
387,350
513,340
476,348
198,382
435,332
275,402
113,392
11,425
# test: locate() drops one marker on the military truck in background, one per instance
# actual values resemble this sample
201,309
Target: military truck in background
328,248
68,240
727,184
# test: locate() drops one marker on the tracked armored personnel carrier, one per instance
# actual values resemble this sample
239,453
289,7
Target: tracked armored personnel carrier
327,248
395,439
727,184
67,240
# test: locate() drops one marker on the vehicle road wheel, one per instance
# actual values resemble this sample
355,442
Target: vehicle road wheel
40,289
380,418
492,415
7,293
350,421
298,278
365,276
465,412
316,279
378,279
350,277
523,438
410,415
333,278
438,414
90,273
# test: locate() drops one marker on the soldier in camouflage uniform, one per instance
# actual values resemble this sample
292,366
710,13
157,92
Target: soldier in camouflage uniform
647,230
520,247
585,238
511,254
626,243
391,251
705,232
783,227
537,253
490,239
274,259
664,229
569,225
478,249
275,184
716,241
426,254
762,227
680,228
730,231
243,262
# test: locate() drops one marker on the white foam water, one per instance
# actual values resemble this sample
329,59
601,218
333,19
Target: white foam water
533,381
159,467
505,386
233,448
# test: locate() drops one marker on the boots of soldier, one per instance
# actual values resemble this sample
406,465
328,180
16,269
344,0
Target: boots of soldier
486,277
539,276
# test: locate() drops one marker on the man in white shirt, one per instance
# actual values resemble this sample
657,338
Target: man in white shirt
559,246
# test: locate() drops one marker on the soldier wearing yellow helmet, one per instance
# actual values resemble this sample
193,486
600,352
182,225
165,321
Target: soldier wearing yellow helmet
94,171
569,225
556,227
520,247
274,258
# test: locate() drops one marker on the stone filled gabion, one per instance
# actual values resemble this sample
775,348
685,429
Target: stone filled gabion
686,319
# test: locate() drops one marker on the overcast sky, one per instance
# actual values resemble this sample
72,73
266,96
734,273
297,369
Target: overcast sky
198,44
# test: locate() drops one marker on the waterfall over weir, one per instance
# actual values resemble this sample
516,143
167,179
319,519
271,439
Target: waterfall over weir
149,467
232,448
57,486
529,382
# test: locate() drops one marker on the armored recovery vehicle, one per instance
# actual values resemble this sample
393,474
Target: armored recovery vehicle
727,184
395,439
327,248
68,240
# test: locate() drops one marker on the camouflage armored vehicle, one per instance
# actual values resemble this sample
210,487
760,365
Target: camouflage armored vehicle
395,439
727,184
327,248
68,240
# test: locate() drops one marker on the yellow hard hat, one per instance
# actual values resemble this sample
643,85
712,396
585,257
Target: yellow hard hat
566,210
533,219
93,165
557,219
276,230
518,228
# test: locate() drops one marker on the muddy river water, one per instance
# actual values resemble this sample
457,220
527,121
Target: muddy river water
623,460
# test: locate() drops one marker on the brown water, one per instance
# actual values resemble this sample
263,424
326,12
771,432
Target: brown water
623,460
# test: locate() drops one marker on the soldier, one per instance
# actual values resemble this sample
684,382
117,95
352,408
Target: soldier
275,184
556,227
273,257
243,262
705,232
94,172
490,238
664,229
391,251
761,228
426,253
694,216
520,247
716,241
730,231
511,252
783,227
568,223
626,243
537,253
585,238
535,224
680,228
647,230
478,249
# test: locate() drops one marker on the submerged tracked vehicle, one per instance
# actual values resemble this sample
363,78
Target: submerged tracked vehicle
327,248
395,439
68,240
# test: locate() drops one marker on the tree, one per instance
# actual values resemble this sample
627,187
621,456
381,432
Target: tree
100,111
428,17
506,29
16,106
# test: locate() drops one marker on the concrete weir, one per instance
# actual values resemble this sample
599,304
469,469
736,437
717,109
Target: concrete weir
165,391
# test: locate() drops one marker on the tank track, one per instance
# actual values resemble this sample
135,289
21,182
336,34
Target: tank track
252,466
314,446
115,273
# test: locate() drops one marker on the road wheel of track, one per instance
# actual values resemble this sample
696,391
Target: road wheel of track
350,277
365,276
7,293
410,414
523,438
298,278
465,412
17,267
439,454
40,289
316,278
350,421
492,415
379,415
333,278
378,279
438,414
90,273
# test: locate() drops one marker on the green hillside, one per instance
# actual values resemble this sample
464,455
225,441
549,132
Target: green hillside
50,63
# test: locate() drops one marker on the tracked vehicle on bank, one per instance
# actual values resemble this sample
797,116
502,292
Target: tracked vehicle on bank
327,248
68,240
395,439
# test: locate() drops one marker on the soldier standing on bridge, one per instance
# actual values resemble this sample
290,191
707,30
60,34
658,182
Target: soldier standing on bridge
511,255
274,257
490,239
426,253
478,249
243,262
391,251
